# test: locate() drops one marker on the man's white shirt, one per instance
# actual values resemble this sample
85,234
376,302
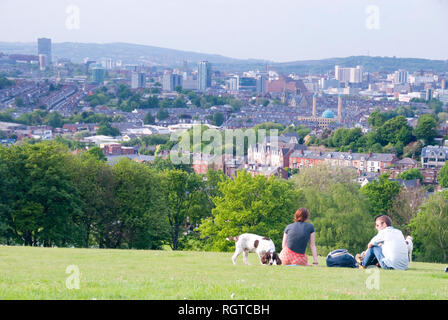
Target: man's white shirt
394,248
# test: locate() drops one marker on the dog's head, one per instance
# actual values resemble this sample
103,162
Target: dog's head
270,257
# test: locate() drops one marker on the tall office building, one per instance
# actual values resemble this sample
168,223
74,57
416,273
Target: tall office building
138,80
325,83
190,83
43,62
348,75
247,84
400,76
171,81
44,47
98,74
233,83
261,83
109,64
428,95
204,76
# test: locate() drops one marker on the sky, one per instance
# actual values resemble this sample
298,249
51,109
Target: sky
276,30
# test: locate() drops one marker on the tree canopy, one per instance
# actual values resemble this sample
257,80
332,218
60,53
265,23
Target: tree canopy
52,197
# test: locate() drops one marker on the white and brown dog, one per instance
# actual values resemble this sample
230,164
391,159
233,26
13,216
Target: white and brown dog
410,247
263,246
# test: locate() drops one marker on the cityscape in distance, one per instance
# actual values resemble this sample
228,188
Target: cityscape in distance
49,89
143,54
300,131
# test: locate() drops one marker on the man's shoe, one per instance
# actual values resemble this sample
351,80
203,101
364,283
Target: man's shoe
358,258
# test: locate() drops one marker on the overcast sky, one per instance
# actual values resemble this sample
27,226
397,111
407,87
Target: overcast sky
278,30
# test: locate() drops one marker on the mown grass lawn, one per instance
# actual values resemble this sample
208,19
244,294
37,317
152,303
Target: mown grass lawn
40,273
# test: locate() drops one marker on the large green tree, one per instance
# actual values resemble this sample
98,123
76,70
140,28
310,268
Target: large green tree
257,205
339,212
345,139
162,114
184,199
430,229
139,197
54,119
426,128
149,119
380,194
41,202
97,153
411,174
218,119
7,184
106,129
96,186
376,118
395,130
442,177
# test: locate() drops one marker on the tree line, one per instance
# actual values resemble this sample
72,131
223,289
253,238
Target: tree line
55,119
51,197
123,98
4,82
390,133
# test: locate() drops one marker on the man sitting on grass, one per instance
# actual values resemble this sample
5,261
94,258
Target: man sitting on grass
388,248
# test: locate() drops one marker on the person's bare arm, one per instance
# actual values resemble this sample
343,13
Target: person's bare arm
313,248
285,239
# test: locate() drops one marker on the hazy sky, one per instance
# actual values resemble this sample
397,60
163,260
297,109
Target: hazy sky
279,30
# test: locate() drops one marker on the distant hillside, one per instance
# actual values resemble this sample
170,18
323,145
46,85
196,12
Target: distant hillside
128,53
370,64
134,53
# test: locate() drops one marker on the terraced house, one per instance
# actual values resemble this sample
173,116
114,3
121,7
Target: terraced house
434,156
272,155
363,162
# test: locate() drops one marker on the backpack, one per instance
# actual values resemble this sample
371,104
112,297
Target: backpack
341,258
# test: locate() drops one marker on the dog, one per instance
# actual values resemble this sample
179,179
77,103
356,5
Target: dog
263,246
410,247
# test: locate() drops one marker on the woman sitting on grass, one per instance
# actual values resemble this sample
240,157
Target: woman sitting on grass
295,240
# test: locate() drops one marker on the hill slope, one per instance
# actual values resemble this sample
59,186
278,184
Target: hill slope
135,53
369,64
127,52
40,273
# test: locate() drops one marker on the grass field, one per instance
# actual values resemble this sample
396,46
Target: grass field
40,273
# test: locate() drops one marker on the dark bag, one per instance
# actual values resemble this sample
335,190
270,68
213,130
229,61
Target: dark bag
341,258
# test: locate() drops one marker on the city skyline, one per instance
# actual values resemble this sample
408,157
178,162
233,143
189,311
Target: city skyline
252,30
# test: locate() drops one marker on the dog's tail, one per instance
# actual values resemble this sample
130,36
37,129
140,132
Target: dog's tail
232,238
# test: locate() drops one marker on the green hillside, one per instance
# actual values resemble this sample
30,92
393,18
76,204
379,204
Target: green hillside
136,53
40,273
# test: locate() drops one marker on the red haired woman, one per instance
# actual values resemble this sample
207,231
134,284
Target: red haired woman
295,239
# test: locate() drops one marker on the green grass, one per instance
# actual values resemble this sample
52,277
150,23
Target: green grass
39,273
